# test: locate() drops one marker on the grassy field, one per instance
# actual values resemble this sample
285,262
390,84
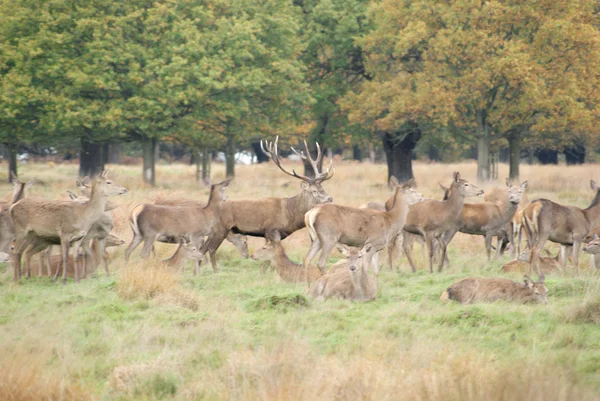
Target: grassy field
146,334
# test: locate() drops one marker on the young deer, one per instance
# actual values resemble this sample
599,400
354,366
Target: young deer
288,270
521,264
69,221
486,218
186,251
348,278
7,232
565,225
149,221
268,216
593,248
329,224
432,218
470,290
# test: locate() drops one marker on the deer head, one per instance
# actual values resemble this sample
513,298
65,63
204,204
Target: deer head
311,186
465,188
515,193
538,289
106,186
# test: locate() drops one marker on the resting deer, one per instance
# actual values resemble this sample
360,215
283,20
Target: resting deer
288,270
329,224
565,225
593,248
186,251
432,218
521,264
69,221
239,241
470,290
486,218
149,221
348,278
52,263
514,227
269,217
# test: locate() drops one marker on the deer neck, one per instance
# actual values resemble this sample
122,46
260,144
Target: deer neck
509,211
96,204
301,203
399,210
455,201
280,258
592,213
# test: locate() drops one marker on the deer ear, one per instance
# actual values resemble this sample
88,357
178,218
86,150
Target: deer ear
304,185
595,237
456,176
442,186
393,182
85,181
528,281
226,182
365,249
593,185
524,185
507,181
103,174
409,184
344,251
71,195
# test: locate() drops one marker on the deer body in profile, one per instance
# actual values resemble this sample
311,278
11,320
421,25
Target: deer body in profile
273,217
472,289
69,221
432,218
329,224
149,221
565,225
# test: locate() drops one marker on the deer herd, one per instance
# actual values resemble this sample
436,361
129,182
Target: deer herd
30,226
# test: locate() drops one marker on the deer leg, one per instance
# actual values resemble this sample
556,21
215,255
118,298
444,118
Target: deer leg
519,227
429,243
576,248
32,250
137,239
213,260
312,252
406,247
536,247
47,256
444,257
488,244
20,245
147,248
325,252
64,254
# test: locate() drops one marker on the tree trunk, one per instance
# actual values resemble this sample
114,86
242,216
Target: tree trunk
11,154
575,154
547,156
483,147
206,156
230,157
91,160
514,156
149,151
260,156
399,150
114,153
357,153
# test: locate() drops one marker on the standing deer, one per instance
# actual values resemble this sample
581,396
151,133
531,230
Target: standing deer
473,289
269,217
486,218
432,218
329,224
149,221
348,278
69,221
289,271
565,225
19,191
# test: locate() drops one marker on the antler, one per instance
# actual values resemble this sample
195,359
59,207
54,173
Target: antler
319,176
273,152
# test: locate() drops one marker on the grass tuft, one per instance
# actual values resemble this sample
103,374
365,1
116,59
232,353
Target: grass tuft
279,302
588,311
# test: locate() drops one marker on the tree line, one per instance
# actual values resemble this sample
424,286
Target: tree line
221,74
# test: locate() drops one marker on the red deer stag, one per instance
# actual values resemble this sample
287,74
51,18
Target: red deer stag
432,218
565,225
329,224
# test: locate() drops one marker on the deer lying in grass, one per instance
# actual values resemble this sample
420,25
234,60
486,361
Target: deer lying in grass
186,251
470,290
329,224
269,217
432,218
565,225
593,248
69,221
239,241
149,221
288,270
514,227
52,264
486,218
348,278
521,264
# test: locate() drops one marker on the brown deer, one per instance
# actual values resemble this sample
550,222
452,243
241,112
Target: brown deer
239,241
593,248
69,221
52,263
472,289
268,217
288,270
329,224
149,221
19,191
186,251
565,225
486,218
521,264
514,227
348,278
432,218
